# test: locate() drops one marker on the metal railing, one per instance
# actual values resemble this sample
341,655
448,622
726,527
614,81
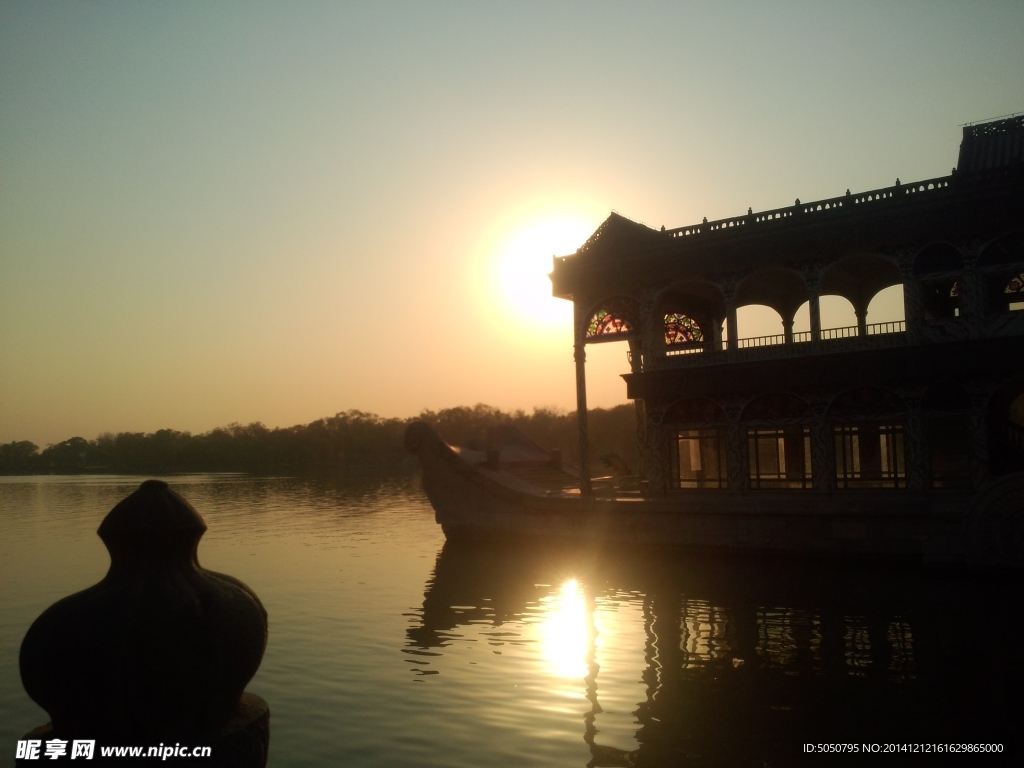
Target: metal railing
779,338
775,346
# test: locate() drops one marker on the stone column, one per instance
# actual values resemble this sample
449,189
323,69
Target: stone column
823,473
731,324
913,309
981,466
735,450
580,356
916,446
861,310
971,285
814,308
787,329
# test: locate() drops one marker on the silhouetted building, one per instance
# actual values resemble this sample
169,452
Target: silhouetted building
923,412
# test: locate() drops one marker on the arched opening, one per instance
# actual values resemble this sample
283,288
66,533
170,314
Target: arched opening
838,318
887,306
1002,263
867,427
690,316
778,442
781,290
857,279
758,325
946,408
697,436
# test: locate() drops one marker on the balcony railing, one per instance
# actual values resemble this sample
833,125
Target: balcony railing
775,346
798,212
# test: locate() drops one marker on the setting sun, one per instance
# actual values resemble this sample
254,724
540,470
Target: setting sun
523,261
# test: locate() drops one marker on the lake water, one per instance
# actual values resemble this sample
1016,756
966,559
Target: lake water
389,648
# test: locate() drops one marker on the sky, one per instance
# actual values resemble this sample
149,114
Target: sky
276,211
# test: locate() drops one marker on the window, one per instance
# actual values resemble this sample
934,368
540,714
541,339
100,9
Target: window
780,458
699,461
941,299
949,457
870,455
682,329
1014,292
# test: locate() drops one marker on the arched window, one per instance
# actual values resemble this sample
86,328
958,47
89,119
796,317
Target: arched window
867,425
941,299
697,437
937,267
1001,263
946,408
614,319
1014,293
682,329
778,442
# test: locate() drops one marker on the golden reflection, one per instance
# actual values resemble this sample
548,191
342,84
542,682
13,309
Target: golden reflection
564,632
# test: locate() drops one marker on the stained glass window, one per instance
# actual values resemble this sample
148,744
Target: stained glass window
682,329
1016,284
614,318
604,323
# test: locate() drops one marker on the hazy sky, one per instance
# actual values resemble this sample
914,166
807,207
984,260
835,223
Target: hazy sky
219,212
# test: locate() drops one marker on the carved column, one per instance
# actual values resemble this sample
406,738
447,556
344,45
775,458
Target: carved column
652,331
787,330
731,324
814,308
913,308
916,446
655,448
981,467
971,288
735,449
823,475
580,357
861,310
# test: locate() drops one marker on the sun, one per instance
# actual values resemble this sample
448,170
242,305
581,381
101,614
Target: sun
523,262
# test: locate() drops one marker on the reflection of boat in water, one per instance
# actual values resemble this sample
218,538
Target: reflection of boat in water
740,660
902,438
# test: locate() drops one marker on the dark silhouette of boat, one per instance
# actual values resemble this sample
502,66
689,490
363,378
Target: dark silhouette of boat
900,438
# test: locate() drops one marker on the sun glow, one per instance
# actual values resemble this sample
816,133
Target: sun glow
565,632
523,262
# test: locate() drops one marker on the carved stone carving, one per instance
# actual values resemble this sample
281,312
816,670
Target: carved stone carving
161,649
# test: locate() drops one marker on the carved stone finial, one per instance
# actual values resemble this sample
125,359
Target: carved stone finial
161,649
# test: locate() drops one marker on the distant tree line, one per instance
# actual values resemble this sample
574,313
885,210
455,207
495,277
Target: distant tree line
349,440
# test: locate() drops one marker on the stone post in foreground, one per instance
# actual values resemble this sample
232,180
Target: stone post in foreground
157,653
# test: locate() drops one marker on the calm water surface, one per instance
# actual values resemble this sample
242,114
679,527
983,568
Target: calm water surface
389,648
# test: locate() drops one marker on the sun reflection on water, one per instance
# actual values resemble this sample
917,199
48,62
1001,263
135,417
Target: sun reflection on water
565,632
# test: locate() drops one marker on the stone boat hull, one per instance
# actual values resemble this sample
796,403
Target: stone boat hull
472,501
